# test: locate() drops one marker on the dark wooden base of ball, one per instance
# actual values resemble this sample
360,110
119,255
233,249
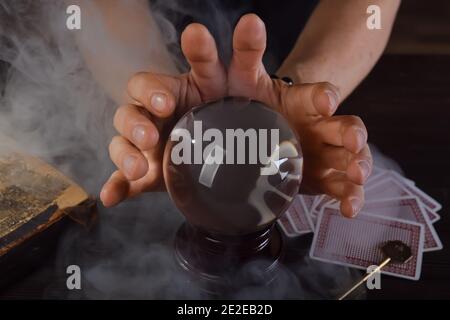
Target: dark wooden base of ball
220,265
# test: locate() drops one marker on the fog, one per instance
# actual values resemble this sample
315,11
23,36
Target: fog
53,108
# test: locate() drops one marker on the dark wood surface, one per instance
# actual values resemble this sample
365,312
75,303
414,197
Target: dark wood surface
405,103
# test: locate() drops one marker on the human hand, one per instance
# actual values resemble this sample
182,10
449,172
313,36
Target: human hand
336,156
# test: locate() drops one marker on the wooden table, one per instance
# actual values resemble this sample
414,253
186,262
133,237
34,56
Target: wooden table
405,103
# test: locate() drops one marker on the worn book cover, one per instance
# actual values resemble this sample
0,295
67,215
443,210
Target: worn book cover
35,200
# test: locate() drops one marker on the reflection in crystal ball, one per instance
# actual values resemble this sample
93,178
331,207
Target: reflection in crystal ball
232,166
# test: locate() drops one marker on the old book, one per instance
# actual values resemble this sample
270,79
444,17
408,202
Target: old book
35,199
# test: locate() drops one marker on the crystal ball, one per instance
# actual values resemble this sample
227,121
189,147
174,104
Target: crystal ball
232,166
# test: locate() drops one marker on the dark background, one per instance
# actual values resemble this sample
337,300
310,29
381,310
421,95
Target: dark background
405,103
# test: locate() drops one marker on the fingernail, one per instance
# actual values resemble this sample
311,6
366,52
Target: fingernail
356,205
129,165
360,137
139,133
333,100
365,168
159,101
144,137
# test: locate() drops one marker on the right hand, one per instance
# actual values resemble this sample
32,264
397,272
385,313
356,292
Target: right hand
158,101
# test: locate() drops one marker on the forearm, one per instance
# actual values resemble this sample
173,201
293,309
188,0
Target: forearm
337,47
118,39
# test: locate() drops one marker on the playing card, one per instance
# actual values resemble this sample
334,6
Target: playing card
406,208
316,201
379,174
432,215
392,185
428,201
356,242
324,200
375,174
297,215
286,226
308,201
408,181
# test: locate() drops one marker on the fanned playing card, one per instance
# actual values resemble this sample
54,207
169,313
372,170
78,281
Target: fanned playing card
300,220
296,220
325,200
407,208
308,201
286,226
391,184
395,209
356,242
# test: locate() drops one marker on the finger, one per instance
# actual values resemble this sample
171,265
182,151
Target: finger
127,158
131,123
155,92
115,190
312,99
349,194
347,131
331,157
360,166
207,71
246,67
118,187
357,166
152,180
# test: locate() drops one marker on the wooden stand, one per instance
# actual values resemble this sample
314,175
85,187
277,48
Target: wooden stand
214,261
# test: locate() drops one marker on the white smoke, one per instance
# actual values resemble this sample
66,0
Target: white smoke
42,107
52,108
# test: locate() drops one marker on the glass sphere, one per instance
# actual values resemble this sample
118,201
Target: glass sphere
232,166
